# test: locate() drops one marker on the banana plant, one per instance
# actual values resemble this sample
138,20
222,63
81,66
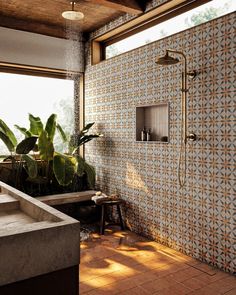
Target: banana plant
63,166
7,136
18,150
73,162
81,138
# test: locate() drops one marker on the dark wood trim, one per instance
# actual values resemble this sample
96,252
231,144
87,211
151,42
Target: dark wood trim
137,21
170,13
60,282
37,71
157,15
76,106
81,109
128,6
96,52
35,27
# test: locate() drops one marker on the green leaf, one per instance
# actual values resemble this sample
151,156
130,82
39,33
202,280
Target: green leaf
84,167
24,131
31,166
10,146
36,126
80,166
36,148
3,158
84,139
45,146
64,168
26,145
7,131
62,133
51,126
91,174
87,127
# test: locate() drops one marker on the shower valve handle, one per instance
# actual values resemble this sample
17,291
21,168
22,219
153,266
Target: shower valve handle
191,137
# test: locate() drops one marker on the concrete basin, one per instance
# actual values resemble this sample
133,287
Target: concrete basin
35,238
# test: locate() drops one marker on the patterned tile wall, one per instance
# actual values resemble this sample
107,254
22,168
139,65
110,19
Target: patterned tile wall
197,219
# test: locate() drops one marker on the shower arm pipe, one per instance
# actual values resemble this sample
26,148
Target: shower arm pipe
184,90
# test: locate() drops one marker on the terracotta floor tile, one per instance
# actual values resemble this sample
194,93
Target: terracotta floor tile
177,266
176,289
116,276
158,284
224,285
129,261
125,263
135,291
86,274
98,282
219,287
231,292
194,283
126,285
183,275
101,292
205,291
121,257
144,278
84,288
205,268
212,278
119,287
152,264
192,262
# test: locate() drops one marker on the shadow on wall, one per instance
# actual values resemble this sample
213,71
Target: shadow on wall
134,179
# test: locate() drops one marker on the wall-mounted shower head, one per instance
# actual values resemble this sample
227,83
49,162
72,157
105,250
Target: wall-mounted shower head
167,60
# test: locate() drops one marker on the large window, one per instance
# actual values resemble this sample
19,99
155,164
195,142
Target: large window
191,18
40,96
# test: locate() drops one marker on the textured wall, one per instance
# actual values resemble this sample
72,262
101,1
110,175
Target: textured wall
197,219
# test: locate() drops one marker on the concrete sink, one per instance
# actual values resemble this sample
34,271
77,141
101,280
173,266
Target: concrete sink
35,238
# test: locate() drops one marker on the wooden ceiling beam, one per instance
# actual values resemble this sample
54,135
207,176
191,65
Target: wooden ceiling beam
128,6
32,27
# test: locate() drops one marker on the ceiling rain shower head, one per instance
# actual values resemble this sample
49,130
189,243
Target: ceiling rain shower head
167,60
73,14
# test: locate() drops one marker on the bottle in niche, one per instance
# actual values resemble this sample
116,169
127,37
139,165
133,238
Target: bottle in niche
149,134
144,134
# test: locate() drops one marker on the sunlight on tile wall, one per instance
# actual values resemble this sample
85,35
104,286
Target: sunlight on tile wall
198,219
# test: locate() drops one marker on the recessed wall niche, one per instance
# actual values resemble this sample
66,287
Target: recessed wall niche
154,121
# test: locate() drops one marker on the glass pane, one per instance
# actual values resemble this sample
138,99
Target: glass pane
40,96
191,18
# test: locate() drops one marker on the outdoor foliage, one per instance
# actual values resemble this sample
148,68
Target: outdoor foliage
36,156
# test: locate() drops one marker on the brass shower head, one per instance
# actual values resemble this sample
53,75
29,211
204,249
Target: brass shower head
167,60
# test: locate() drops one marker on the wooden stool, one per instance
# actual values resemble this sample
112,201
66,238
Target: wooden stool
104,204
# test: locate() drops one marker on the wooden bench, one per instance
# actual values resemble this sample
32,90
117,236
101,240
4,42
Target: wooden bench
67,198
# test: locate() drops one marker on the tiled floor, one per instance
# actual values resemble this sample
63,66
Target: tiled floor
125,263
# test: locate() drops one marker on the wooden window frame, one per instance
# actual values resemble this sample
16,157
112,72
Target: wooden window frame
36,71
149,19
